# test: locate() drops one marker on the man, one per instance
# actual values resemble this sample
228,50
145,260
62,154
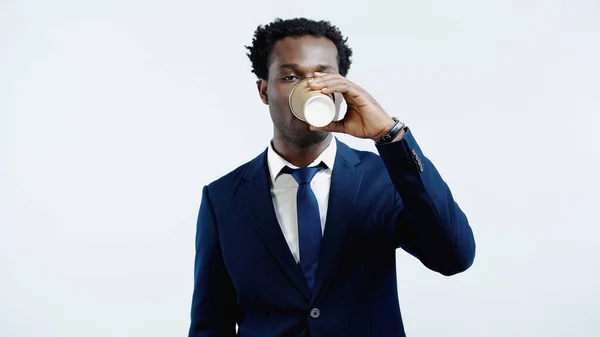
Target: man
301,240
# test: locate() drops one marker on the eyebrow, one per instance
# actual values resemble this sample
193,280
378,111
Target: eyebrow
294,66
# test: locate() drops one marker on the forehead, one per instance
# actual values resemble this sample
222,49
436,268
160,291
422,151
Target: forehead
305,51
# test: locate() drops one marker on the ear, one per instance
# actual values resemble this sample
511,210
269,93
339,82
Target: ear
262,90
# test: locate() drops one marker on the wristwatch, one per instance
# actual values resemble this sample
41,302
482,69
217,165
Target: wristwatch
391,135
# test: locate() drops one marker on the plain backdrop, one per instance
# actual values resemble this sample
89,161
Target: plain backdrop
115,114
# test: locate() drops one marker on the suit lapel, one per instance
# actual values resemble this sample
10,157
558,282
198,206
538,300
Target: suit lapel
346,180
257,197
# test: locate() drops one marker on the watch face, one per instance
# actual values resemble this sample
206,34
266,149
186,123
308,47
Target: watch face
385,139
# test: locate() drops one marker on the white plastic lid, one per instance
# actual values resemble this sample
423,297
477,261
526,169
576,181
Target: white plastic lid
319,111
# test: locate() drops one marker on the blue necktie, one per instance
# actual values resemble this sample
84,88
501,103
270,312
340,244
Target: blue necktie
309,222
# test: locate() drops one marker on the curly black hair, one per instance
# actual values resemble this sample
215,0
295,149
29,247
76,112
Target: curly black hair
265,38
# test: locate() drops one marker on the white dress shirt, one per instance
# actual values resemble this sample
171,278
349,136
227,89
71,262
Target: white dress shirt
284,188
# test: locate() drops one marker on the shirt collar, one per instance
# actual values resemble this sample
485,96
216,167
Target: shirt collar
277,163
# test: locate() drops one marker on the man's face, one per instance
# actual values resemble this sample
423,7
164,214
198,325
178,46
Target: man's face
292,60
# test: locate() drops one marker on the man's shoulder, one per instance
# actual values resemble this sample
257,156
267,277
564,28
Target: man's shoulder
230,180
362,156
223,190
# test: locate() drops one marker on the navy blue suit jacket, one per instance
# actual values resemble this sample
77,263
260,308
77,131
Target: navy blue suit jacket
245,273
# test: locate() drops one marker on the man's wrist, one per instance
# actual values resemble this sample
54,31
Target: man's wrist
393,133
389,125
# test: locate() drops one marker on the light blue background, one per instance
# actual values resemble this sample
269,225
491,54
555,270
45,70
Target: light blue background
114,114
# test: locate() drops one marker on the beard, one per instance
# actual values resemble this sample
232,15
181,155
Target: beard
297,133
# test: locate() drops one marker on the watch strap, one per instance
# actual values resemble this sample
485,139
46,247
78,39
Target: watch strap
392,134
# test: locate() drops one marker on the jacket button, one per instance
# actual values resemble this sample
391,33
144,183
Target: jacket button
417,160
315,313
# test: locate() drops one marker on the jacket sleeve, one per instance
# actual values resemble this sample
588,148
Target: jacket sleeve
214,297
428,223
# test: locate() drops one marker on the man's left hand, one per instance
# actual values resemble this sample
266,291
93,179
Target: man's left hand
364,118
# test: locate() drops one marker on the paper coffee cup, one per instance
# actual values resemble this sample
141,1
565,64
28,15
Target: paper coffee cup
312,106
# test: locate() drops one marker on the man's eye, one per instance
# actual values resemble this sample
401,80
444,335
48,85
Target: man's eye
289,78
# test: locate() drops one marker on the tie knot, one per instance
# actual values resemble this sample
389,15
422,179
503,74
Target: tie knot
303,175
